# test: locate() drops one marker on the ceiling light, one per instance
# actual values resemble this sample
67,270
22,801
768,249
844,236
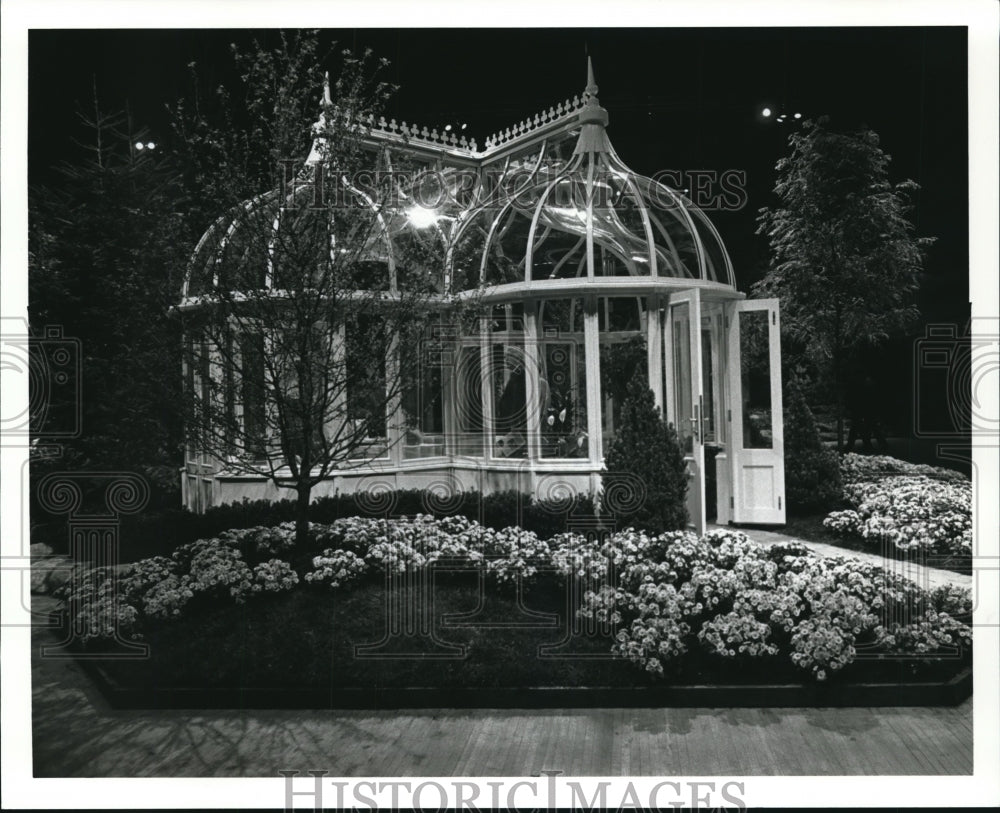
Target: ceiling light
798,115
151,145
766,112
447,128
421,217
139,145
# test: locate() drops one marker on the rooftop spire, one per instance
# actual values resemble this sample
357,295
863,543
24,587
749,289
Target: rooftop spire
327,101
320,126
591,84
593,117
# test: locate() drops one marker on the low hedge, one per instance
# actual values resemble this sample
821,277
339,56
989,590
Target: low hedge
160,532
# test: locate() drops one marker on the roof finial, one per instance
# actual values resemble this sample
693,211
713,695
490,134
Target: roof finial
591,84
593,117
327,101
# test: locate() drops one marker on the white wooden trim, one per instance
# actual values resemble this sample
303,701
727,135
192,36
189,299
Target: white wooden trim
741,457
592,365
696,457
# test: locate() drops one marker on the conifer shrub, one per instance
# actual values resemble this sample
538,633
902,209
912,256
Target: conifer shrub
812,471
646,482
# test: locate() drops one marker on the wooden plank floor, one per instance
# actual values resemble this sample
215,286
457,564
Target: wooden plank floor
77,735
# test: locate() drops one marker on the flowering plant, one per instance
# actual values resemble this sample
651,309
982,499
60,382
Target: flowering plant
737,598
909,511
274,576
336,567
261,541
857,468
216,570
513,554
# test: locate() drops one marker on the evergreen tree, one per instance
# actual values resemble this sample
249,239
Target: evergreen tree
106,250
647,448
844,257
812,471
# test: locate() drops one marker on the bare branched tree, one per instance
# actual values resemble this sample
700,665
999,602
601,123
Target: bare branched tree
305,289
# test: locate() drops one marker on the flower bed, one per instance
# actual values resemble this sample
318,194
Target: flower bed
682,609
905,506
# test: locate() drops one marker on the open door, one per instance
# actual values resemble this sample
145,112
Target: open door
757,448
685,399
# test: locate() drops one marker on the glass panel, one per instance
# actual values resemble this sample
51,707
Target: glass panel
559,317
623,358
423,395
708,391
366,349
563,392
253,386
469,402
619,313
680,321
509,391
756,377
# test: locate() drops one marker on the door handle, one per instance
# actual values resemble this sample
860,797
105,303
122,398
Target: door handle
696,423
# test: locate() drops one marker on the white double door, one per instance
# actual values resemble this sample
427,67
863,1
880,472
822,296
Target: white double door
722,389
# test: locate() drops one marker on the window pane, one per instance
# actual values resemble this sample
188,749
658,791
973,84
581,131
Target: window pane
708,391
423,375
366,400
563,393
253,388
509,392
681,338
756,378
469,401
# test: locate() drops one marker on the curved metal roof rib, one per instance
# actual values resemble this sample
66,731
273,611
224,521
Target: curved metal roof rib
537,198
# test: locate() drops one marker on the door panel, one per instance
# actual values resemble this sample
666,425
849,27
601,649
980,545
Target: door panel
755,417
684,373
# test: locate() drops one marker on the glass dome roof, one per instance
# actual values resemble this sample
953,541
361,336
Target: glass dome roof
551,201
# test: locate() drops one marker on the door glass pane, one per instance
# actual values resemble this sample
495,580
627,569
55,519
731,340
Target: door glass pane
707,389
756,377
679,319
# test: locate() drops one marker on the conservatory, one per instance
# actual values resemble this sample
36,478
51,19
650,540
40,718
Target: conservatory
578,267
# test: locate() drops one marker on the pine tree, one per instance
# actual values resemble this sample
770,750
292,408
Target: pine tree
646,448
106,253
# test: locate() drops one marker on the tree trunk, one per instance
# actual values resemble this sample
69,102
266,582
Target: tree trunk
302,515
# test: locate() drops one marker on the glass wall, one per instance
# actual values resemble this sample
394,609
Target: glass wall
621,322
424,369
508,392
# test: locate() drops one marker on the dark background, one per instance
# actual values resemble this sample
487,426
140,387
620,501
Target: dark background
680,99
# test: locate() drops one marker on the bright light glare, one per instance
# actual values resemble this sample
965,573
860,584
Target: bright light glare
139,145
798,115
151,145
447,128
766,112
421,217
